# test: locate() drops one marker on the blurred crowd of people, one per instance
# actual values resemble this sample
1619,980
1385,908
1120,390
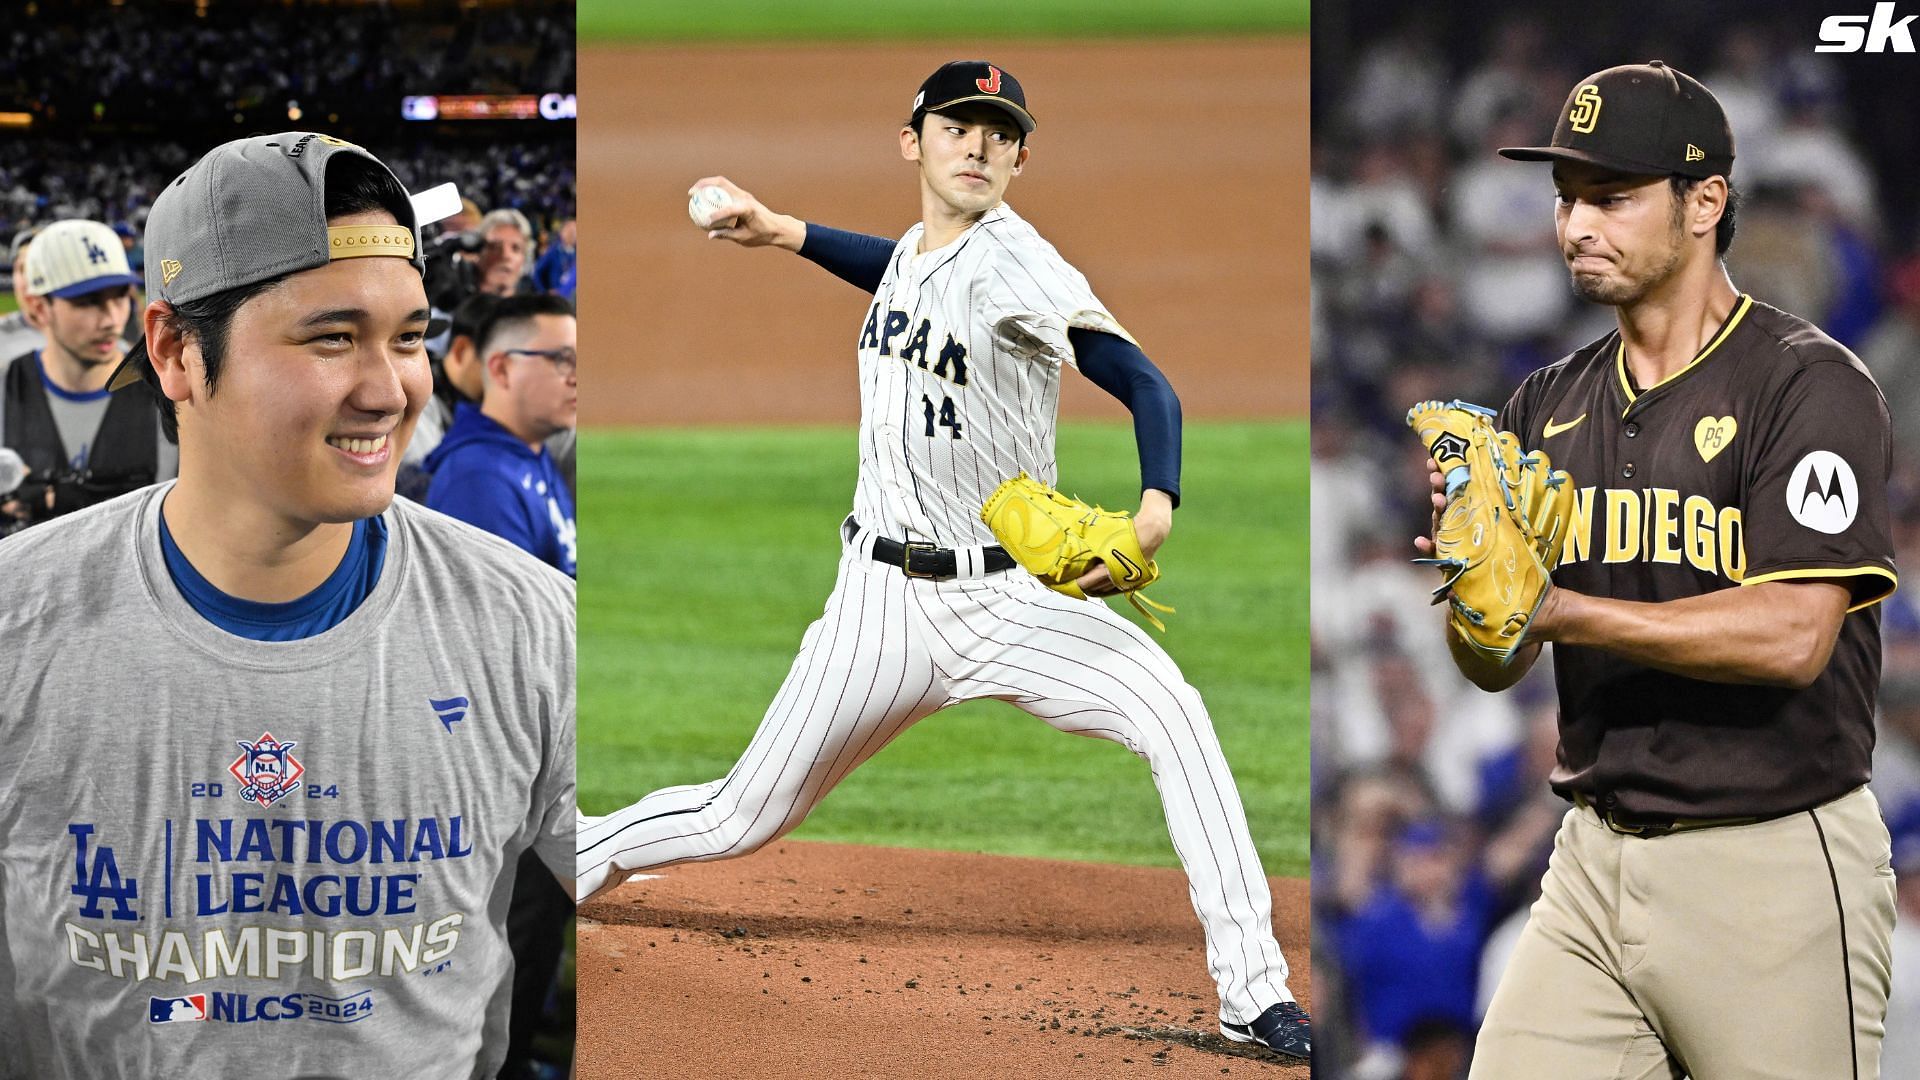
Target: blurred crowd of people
477,260
137,63
1437,275
115,180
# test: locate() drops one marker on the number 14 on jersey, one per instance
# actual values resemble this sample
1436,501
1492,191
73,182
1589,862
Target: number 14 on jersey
944,417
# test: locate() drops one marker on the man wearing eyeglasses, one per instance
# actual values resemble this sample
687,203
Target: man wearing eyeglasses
492,469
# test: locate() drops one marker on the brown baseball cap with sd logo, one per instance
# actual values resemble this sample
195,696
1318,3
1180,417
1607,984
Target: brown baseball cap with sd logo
1640,118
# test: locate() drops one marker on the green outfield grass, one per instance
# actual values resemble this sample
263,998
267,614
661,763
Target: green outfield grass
705,554
8,303
761,20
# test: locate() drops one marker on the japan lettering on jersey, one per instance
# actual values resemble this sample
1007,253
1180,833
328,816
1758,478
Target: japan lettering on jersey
960,354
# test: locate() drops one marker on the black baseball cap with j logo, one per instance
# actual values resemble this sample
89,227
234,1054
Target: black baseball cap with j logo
1640,118
973,80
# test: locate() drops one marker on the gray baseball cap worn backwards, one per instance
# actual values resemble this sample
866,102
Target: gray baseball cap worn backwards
249,211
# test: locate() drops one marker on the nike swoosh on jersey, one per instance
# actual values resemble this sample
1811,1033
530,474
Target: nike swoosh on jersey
1556,429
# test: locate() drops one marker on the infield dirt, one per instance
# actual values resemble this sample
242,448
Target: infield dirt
821,961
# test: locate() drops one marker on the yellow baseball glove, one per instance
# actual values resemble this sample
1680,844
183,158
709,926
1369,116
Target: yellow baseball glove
1500,536
1058,539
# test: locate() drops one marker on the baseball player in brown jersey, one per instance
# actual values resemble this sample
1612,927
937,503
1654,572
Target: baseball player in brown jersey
1720,897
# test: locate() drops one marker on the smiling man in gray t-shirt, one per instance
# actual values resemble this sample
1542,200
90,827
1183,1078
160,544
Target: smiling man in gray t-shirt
274,741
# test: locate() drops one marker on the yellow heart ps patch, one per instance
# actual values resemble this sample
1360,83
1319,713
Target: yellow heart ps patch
1712,435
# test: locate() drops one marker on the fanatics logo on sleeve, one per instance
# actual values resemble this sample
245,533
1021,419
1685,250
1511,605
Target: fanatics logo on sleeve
450,710
1822,493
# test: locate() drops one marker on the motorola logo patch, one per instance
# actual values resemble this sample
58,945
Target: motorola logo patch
1822,493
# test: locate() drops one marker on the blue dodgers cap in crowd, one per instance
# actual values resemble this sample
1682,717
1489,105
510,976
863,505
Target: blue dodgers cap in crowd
75,257
252,210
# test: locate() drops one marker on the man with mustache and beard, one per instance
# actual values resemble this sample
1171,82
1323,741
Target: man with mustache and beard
83,445
1720,897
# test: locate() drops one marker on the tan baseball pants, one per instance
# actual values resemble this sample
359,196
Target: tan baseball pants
1746,952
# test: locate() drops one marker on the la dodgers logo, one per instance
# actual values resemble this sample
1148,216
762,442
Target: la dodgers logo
266,769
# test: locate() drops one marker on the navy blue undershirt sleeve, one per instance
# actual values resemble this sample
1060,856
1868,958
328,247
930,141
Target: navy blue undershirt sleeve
855,258
1117,366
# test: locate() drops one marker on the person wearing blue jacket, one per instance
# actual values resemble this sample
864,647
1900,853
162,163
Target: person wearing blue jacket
558,269
492,469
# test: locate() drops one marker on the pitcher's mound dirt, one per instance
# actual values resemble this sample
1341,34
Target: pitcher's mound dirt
822,961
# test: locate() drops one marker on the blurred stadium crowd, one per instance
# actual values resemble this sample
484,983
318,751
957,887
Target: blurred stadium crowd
1436,274
114,180
154,65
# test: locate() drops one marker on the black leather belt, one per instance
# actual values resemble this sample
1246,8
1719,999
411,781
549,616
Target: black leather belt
1651,825
926,561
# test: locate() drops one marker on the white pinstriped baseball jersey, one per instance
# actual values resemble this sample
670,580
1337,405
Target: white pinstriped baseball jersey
960,356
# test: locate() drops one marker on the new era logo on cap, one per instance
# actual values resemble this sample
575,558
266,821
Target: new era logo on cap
73,258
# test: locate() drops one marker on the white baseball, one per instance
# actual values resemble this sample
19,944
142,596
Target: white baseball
705,202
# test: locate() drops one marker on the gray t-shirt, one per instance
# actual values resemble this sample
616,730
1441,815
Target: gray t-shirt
219,854
17,338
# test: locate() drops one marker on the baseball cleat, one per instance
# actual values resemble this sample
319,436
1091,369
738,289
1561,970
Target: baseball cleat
1284,1029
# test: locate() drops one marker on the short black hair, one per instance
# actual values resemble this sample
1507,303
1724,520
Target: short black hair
1723,232
355,185
513,311
472,315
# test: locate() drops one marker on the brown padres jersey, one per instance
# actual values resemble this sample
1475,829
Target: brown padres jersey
1765,459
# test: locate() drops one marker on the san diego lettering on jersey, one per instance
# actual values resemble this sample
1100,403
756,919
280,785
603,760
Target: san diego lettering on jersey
1655,525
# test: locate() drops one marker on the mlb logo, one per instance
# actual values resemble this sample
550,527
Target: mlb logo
176,1010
